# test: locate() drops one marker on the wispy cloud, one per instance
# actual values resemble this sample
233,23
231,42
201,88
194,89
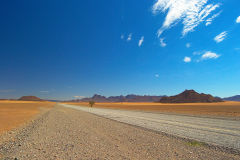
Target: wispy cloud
162,43
198,53
122,36
190,13
219,38
7,90
209,55
141,41
188,45
79,97
129,37
238,19
209,20
44,91
204,55
187,59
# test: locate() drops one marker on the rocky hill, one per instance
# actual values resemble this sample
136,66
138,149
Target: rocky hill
190,96
128,98
233,98
29,98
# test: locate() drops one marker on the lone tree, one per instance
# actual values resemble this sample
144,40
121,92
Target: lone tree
91,103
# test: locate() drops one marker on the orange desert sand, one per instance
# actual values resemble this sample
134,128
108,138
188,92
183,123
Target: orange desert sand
15,113
231,109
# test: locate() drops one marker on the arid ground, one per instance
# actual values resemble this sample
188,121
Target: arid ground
15,113
64,133
226,109
61,132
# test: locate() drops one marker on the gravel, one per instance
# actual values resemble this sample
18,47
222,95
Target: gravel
214,131
64,133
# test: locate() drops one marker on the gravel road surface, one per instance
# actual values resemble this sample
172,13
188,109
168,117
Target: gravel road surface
69,134
220,132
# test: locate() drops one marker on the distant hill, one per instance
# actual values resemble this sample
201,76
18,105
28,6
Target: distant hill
128,98
233,98
190,96
29,98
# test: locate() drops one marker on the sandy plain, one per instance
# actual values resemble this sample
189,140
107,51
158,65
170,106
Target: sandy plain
225,109
65,133
15,113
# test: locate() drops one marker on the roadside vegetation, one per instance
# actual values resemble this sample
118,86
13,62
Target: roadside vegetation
195,143
91,103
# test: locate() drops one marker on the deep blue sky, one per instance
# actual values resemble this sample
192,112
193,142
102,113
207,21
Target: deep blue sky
60,49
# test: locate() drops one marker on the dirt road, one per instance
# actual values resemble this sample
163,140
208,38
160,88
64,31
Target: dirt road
65,133
221,132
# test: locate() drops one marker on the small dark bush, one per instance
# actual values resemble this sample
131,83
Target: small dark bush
91,103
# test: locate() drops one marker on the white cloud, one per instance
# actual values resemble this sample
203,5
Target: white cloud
129,37
219,38
188,45
209,20
157,75
190,12
79,97
209,55
205,55
141,41
187,59
122,36
238,19
162,43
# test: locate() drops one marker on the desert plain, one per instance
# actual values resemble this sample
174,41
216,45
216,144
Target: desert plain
225,109
56,131
15,113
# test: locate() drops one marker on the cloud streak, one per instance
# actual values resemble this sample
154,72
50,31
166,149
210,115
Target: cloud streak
7,90
162,43
141,41
44,91
122,36
219,38
209,20
190,13
80,97
129,37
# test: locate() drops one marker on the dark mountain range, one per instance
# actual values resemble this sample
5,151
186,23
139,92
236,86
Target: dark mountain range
128,98
233,98
190,96
29,98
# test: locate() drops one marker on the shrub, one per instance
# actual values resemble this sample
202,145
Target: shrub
91,103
